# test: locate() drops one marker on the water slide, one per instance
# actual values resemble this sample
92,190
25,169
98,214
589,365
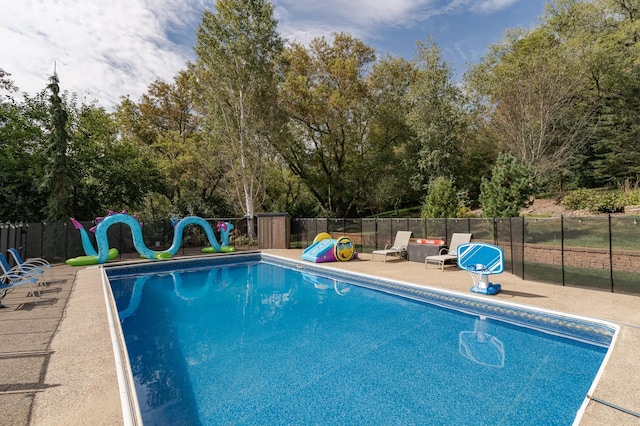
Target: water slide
320,251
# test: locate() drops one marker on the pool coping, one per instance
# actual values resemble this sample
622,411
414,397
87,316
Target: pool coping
594,331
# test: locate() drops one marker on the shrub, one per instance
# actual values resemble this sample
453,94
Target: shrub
442,199
464,211
632,198
608,202
509,189
595,201
579,199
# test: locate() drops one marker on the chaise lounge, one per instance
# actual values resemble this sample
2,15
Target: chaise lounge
448,253
399,245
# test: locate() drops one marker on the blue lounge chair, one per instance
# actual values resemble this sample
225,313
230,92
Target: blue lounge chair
32,262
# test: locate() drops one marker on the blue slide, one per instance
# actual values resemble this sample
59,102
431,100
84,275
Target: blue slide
321,251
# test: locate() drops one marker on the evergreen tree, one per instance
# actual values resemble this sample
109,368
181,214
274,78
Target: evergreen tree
58,178
509,189
442,200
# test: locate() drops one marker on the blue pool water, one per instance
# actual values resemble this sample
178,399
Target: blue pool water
261,343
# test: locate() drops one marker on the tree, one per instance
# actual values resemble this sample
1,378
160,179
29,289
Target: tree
437,117
238,49
287,193
329,101
112,173
605,36
58,179
22,160
389,135
536,106
442,199
6,83
167,129
509,189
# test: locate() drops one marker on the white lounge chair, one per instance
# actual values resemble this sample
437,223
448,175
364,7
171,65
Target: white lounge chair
448,253
399,245
13,277
32,262
19,271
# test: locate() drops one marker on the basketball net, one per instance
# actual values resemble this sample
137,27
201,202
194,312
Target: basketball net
479,276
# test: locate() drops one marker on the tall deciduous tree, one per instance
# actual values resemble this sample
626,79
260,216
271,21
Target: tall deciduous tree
326,96
388,140
238,49
113,173
6,83
22,136
59,177
605,35
166,126
436,115
536,108
348,121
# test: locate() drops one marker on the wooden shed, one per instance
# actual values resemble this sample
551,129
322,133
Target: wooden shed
274,230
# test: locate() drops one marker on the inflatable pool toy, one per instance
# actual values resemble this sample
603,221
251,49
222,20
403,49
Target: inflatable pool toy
224,228
91,260
321,236
327,249
343,249
104,253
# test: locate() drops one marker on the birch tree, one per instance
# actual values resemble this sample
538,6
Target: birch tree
237,50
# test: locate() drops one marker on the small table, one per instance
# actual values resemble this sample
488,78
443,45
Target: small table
417,252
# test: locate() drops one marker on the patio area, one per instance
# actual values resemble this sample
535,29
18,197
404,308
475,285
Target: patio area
59,367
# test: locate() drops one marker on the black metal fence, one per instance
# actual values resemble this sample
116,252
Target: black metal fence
58,241
596,251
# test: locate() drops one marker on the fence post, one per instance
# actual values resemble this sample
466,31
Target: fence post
610,254
522,242
562,247
44,224
65,227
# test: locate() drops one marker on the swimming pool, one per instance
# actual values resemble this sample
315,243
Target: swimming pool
282,342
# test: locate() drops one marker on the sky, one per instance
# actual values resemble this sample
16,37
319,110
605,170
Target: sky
102,50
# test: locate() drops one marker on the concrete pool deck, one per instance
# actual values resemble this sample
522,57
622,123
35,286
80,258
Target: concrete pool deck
59,369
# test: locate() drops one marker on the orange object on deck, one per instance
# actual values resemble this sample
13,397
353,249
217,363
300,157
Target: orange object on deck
425,241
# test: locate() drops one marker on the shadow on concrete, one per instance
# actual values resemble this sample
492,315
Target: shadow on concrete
522,294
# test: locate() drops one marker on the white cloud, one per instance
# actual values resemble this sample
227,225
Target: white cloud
102,50
107,49
302,20
358,12
492,6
